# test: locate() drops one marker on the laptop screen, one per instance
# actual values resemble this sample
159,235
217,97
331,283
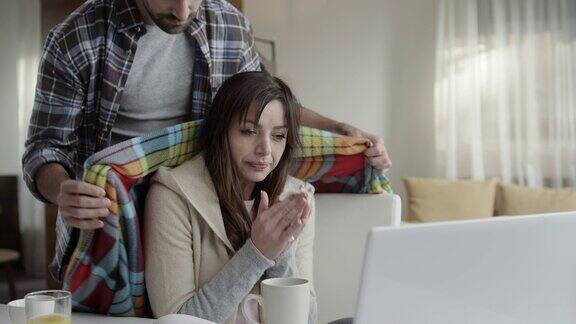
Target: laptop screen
519,269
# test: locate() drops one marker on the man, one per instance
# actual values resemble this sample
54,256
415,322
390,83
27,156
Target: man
116,69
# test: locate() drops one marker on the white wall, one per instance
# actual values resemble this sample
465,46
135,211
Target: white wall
367,62
323,59
412,24
20,45
9,131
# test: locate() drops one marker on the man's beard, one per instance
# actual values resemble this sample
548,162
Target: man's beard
171,25
167,22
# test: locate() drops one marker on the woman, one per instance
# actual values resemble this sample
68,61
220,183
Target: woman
221,222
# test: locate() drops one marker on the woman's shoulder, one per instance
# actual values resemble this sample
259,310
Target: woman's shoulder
187,169
183,177
187,183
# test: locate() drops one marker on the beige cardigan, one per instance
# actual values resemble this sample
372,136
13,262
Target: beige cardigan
185,239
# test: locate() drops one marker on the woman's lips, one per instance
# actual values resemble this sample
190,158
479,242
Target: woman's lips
258,166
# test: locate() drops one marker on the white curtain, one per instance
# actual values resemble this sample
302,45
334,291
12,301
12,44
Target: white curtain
505,90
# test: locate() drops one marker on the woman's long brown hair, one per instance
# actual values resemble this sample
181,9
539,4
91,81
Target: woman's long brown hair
232,102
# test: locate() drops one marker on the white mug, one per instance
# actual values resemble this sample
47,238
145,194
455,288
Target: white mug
283,301
16,311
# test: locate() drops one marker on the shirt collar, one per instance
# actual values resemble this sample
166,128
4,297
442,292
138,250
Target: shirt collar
128,15
200,20
201,13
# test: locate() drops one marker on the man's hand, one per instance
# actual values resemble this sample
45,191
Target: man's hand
80,204
376,152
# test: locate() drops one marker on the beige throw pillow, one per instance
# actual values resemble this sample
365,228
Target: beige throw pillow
516,200
432,200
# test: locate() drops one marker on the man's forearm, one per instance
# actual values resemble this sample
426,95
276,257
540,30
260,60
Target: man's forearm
376,152
48,180
313,119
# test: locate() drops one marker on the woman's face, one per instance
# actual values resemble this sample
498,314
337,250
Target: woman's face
257,148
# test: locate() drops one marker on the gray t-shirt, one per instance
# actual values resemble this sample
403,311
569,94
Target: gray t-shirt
159,85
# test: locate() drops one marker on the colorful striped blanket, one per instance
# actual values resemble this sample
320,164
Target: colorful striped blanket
106,270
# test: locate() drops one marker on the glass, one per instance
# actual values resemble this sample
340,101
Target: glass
48,307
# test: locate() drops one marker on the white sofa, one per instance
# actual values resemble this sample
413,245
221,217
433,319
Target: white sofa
342,223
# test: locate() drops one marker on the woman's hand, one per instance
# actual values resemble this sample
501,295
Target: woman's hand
276,226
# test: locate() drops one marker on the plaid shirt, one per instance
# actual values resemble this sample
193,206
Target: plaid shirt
83,70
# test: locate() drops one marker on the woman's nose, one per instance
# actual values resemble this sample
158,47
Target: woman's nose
264,146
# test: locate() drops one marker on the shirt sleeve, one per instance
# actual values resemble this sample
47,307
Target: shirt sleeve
250,58
56,115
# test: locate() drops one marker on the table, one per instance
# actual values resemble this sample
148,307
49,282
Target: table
83,318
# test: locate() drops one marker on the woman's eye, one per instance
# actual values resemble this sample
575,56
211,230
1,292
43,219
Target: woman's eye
279,137
248,132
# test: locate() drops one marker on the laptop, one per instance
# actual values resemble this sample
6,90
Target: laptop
513,270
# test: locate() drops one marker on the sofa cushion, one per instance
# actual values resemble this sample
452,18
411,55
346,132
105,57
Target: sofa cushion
516,200
432,200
